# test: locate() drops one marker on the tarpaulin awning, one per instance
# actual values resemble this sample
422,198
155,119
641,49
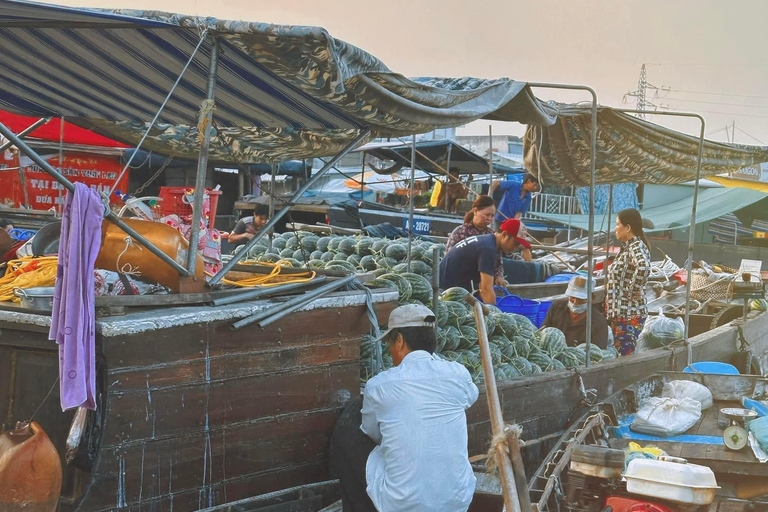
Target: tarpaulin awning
629,149
712,203
760,186
282,92
461,159
52,132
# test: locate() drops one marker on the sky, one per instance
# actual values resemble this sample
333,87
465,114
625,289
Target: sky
706,56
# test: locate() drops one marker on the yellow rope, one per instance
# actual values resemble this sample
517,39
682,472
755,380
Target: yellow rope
263,280
27,273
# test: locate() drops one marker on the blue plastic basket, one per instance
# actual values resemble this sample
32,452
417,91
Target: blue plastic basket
514,304
712,367
544,306
560,278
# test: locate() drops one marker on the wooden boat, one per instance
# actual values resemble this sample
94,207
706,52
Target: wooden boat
742,479
195,415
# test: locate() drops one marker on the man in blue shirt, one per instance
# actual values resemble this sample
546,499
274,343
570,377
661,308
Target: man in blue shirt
517,197
471,263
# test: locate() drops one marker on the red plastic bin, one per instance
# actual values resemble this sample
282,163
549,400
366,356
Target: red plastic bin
174,201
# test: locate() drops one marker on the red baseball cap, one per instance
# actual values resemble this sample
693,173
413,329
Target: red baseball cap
517,229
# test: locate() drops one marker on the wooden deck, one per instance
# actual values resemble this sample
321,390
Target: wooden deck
717,457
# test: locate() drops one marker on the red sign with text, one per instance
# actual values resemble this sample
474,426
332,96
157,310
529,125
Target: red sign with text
43,192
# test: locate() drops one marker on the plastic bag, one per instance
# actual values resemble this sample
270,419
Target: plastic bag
635,451
666,417
660,331
759,429
686,388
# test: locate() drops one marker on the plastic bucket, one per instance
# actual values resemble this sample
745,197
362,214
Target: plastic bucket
712,367
514,304
560,278
544,306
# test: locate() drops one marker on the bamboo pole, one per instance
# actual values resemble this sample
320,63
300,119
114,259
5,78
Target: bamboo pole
504,462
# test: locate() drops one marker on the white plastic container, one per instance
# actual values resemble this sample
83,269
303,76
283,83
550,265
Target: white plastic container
679,482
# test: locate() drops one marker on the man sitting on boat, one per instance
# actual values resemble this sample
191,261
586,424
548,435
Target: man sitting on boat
471,263
569,314
247,227
406,450
515,199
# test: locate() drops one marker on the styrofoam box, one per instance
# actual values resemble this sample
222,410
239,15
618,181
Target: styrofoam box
673,481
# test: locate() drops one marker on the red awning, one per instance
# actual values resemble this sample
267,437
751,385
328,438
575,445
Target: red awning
51,131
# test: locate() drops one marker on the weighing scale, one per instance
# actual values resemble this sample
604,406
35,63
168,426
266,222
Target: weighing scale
735,435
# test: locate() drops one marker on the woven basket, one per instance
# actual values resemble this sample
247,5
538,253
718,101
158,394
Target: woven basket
704,288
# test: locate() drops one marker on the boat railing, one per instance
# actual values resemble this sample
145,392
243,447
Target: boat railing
553,203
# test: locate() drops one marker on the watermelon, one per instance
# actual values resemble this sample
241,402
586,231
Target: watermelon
316,255
315,265
552,340
452,338
268,258
540,359
289,262
292,243
347,246
610,353
354,259
451,355
421,268
505,324
378,247
381,283
341,266
300,255
327,256
400,268
572,357
468,336
456,294
421,289
333,245
521,364
286,253
273,250
322,243
496,355
278,243
535,369
253,252
380,272
396,251
521,346
367,263
441,314
309,242
456,311
557,365
339,256
509,371
366,346
363,247
387,263
595,352
403,285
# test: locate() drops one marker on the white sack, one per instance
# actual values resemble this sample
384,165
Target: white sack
666,417
685,388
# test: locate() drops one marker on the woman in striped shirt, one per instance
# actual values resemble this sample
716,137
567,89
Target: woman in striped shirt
625,304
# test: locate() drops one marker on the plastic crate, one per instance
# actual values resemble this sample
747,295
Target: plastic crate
179,200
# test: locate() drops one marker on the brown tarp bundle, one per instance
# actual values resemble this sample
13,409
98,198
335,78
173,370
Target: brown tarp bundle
629,149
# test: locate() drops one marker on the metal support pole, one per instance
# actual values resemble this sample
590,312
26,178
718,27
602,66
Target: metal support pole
273,172
692,228
258,293
29,129
202,162
362,181
571,205
435,280
608,216
490,158
591,235
160,110
286,207
413,200
47,167
447,181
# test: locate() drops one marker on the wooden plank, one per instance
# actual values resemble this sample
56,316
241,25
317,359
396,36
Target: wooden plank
235,366
149,414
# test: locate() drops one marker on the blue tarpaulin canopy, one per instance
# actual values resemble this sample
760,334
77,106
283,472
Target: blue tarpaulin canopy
282,92
712,203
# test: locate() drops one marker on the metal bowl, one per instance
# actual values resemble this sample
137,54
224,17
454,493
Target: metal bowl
735,413
40,297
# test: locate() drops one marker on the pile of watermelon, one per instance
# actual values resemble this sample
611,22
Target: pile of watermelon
517,347
349,254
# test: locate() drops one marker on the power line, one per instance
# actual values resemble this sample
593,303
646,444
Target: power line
717,93
716,103
751,136
729,114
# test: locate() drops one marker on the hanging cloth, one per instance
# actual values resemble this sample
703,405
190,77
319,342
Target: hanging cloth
73,320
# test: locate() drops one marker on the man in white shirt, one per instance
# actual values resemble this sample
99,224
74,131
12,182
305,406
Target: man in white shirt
415,448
